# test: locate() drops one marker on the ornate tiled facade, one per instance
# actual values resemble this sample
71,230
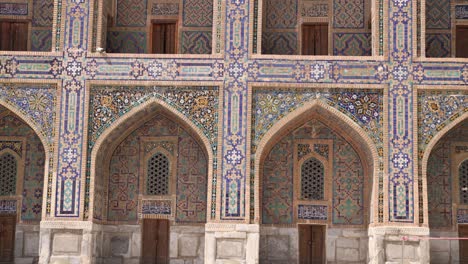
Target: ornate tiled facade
228,92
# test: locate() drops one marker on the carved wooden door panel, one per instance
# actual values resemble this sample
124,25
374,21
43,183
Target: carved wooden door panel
7,237
155,241
311,244
463,244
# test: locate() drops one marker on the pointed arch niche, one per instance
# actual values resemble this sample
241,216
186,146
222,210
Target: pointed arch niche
444,187
349,160
119,199
24,163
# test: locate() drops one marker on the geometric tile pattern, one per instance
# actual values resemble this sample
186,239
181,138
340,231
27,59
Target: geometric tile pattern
196,42
281,43
352,44
463,182
201,14
157,182
131,13
126,41
33,180
41,40
280,14
43,11
438,14
191,183
438,45
348,13
347,183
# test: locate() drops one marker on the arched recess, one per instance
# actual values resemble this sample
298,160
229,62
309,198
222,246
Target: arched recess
128,127
445,213
23,140
334,119
351,159
428,150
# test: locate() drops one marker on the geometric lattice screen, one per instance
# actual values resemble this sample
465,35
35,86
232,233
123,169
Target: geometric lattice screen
312,180
8,169
463,181
157,181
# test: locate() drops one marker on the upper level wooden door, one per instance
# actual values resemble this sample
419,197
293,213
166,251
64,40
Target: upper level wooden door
164,38
461,42
463,244
7,237
13,36
155,241
315,39
311,244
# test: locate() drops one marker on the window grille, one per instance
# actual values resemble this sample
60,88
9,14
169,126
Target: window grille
8,170
463,181
157,182
312,180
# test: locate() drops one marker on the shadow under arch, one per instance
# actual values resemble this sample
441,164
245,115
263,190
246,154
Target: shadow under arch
130,121
425,158
338,122
45,145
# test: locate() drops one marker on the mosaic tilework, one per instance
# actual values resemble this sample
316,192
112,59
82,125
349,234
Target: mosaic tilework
348,13
11,125
462,216
461,12
312,212
191,186
277,191
41,40
8,206
280,14
436,111
35,101
196,42
282,43
364,107
347,184
352,44
108,103
43,11
165,9
197,13
438,45
438,14
156,207
131,13
119,41
13,9
313,9
15,146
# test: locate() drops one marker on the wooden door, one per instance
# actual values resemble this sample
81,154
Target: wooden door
315,39
13,36
155,241
7,237
462,42
164,38
463,244
311,244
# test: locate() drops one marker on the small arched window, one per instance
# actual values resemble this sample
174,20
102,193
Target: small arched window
8,170
312,180
157,182
463,182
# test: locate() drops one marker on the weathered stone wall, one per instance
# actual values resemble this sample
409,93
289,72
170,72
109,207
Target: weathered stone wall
26,243
444,251
343,245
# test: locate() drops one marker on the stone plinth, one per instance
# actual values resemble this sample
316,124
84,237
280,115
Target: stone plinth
231,243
